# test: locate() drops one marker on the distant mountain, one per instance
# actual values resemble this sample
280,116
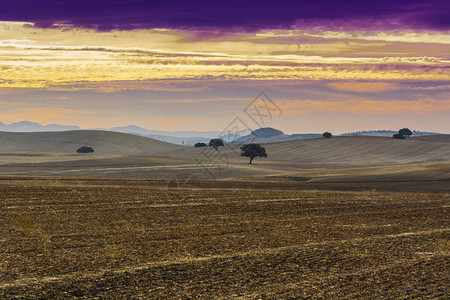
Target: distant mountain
56,127
270,135
26,126
130,129
181,137
191,141
143,131
176,137
229,136
262,135
267,132
188,141
385,133
189,138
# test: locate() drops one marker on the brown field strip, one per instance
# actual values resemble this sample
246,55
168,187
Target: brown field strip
64,238
189,260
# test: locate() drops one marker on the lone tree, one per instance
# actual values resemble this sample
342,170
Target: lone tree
398,136
402,134
200,145
327,135
405,132
252,151
85,149
216,143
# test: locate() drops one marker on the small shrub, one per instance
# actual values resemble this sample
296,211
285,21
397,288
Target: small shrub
216,143
405,132
85,149
398,136
327,135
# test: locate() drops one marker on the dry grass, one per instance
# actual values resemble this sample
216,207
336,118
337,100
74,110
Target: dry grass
128,239
351,159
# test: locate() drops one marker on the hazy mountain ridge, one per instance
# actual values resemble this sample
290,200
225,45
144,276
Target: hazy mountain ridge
27,126
189,138
270,135
175,137
142,131
261,135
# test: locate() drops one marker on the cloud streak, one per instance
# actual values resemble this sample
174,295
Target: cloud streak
322,76
51,58
224,15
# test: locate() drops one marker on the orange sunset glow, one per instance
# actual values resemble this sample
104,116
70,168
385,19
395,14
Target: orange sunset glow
168,79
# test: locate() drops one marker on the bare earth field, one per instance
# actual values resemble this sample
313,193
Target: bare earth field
347,217
99,238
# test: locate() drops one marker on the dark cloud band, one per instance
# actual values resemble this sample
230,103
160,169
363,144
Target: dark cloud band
225,15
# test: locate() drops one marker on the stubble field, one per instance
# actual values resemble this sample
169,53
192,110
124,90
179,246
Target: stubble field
137,239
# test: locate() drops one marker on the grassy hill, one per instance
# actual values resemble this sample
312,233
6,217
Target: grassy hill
363,150
103,142
351,150
445,138
162,160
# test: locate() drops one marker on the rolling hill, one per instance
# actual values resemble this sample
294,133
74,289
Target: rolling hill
445,138
161,160
103,142
349,150
363,150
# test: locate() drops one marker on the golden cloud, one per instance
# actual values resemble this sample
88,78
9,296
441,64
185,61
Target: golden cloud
48,58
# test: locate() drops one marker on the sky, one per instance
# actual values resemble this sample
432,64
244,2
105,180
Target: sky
334,66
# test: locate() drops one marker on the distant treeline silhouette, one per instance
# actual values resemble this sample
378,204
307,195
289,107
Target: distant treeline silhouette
384,132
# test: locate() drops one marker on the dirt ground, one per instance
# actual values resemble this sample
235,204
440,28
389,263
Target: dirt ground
99,238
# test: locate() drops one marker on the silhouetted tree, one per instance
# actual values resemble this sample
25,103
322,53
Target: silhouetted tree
200,145
327,135
216,143
252,151
398,136
85,149
405,132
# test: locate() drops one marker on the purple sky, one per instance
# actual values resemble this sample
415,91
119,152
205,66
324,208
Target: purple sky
223,15
196,64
